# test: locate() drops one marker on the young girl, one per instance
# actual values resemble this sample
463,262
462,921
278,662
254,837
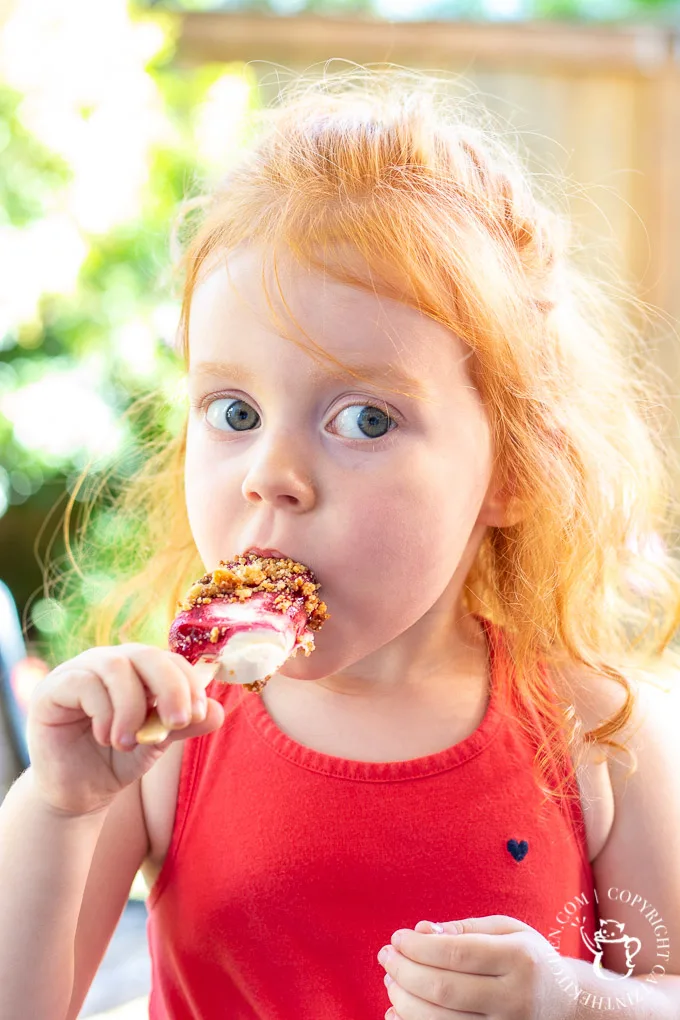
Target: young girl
398,376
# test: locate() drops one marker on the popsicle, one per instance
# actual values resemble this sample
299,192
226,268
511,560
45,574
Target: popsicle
241,622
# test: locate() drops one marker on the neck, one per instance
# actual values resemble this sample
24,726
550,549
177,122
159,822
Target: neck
409,674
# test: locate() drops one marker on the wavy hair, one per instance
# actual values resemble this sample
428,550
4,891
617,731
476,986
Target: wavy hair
391,164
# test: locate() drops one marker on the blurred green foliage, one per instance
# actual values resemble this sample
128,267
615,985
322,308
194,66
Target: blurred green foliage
81,337
30,172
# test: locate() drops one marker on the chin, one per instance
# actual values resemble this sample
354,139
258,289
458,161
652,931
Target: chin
316,667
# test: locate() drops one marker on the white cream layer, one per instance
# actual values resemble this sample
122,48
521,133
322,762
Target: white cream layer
252,655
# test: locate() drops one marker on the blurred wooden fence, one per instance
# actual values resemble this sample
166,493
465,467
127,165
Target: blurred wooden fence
598,104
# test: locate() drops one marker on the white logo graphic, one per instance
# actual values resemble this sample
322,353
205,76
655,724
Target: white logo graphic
611,932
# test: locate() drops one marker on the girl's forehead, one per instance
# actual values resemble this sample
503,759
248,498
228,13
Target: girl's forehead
249,279
234,312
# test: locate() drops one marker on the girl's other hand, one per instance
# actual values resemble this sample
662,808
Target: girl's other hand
496,967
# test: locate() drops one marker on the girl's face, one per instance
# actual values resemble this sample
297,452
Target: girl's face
385,497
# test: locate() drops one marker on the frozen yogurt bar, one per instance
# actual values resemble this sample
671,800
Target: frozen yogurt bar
241,622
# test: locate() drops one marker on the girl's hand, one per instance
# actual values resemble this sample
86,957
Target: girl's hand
495,967
80,713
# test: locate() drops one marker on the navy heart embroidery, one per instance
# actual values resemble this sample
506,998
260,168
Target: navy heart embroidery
518,850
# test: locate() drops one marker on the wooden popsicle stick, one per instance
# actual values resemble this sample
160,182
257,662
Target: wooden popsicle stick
154,730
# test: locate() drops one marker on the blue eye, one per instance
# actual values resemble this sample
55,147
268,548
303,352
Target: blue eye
237,416
373,422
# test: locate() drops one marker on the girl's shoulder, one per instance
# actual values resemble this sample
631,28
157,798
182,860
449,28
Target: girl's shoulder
596,698
579,688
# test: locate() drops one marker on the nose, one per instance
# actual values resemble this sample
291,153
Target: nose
279,475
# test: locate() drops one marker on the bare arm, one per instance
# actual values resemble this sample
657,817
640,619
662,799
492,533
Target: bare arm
72,828
45,860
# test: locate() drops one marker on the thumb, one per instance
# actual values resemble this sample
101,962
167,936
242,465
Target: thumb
156,734
214,717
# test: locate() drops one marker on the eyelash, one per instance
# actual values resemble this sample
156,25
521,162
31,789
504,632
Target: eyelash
203,403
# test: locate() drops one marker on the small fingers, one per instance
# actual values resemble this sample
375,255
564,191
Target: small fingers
135,677
154,730
449,989
85,692
404,1004
126,690
167,676
121,685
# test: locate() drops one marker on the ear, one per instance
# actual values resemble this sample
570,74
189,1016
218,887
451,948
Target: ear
501,508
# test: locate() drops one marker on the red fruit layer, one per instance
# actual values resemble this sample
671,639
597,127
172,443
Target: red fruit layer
204,630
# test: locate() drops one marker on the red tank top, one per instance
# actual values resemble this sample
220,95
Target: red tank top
288,869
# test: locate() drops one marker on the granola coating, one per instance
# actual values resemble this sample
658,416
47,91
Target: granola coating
237,580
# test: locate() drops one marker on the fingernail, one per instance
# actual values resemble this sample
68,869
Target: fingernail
178,719
127,740
200,708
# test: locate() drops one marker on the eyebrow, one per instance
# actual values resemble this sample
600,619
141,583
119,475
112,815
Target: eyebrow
383,373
